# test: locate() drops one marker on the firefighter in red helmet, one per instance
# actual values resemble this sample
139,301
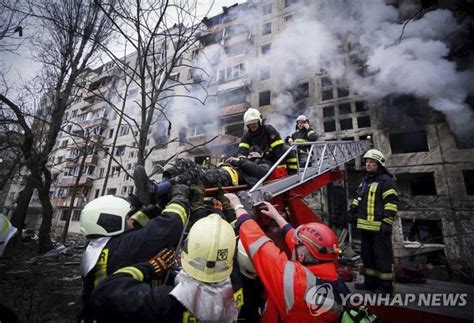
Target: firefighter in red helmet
293,286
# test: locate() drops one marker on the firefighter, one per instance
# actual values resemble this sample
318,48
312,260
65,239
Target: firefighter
114,241
203,290
303,133
236,171
374,209
303,288
268,139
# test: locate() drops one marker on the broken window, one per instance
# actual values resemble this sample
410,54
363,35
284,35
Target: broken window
342,92
330,126
346,124
408,142
236,129
266,49
468,176
290,2
111,191
267,28
363,122
288,19
347,138
416,184
264,73
326,81
264,98
120,151
361,106
300,91
267,9
328,111
231,97
345,108
327,95
425,231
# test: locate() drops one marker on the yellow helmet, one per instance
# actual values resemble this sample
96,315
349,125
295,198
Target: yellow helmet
7,231
104,216
252,116
376,155
209,250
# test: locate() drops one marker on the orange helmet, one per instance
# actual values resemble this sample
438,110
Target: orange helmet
319,239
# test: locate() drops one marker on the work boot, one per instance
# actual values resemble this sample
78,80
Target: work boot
144,186
364,286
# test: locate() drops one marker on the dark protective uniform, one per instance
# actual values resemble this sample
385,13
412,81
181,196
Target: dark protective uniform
244,171
376,206
128,296
136,245
268,139
303,135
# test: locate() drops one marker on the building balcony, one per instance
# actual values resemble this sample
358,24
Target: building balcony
95,122
227,85
232,110
63,202
70,181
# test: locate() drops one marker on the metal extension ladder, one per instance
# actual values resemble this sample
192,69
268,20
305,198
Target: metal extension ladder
322,158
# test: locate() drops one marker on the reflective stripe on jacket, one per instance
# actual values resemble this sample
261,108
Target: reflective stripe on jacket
287,283
377,202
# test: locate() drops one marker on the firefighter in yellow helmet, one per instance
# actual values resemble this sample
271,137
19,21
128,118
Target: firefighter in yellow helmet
267,138
373,210
115,239
203,289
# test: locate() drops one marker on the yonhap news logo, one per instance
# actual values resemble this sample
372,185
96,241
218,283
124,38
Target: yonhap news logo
320,299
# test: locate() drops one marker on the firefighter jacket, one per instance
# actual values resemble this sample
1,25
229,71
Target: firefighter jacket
136,245
128,296
291,288
376,201
303,135
269,140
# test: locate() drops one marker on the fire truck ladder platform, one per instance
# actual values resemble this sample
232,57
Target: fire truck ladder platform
323,157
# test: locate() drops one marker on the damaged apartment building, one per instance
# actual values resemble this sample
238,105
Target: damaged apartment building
434,168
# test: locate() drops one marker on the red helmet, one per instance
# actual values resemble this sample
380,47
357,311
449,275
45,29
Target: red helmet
319,239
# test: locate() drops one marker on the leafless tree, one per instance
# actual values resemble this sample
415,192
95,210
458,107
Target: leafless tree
161,34
71,34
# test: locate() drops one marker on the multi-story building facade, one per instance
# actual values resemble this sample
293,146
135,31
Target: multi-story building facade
433,168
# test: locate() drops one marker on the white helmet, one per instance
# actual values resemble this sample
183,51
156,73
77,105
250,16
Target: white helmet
7,231
209,250
245,264
104,216
302,117
252,116
375,155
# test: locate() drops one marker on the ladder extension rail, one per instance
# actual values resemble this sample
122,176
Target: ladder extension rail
323,155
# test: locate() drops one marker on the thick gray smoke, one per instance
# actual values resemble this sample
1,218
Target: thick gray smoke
399,58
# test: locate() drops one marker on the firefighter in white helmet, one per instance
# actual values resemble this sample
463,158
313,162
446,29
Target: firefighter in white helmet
303,133
373,210
203,289
267,138
7,231
113,241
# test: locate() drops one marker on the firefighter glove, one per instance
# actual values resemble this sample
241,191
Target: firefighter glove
152,211
197,196
386,228
161,262
179,190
